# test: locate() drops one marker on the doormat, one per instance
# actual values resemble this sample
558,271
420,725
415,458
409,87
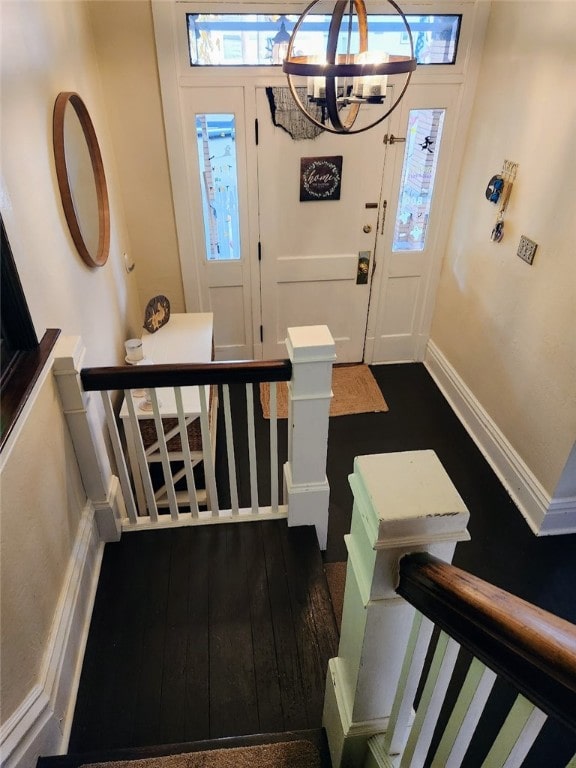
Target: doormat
354,388
286,754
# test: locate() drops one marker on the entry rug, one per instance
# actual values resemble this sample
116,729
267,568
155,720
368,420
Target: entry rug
287,754
354,388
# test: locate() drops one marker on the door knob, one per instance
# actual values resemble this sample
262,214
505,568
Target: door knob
367,228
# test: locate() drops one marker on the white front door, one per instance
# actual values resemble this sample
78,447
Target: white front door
317,253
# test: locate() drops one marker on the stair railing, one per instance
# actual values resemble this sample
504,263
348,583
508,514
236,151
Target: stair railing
507,637
169,458
428,654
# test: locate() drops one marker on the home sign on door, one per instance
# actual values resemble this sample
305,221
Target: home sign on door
320,178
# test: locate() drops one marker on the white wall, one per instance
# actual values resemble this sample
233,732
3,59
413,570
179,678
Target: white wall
47,48
508,330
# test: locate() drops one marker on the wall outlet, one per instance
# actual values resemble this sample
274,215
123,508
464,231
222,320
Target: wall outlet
527,249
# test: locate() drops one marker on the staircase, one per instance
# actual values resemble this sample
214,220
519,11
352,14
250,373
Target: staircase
218,630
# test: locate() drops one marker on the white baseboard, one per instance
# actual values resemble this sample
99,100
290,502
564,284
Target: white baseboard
560,517
41,724
543,514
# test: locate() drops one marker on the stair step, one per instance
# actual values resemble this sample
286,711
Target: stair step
316,736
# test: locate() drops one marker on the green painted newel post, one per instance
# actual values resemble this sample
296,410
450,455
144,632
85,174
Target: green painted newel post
403,502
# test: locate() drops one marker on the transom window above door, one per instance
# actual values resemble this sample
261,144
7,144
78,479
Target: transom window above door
232,40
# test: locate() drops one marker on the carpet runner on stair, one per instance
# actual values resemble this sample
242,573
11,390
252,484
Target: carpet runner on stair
289,749
289,754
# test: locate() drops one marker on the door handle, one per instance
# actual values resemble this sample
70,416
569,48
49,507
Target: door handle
393,139
363,267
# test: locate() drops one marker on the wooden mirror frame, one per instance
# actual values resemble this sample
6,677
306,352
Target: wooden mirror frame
99,258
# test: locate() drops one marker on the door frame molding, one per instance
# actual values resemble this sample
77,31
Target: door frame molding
174,72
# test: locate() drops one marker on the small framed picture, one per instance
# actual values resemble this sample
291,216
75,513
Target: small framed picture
320,178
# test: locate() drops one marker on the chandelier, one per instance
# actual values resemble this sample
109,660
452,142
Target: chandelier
349,74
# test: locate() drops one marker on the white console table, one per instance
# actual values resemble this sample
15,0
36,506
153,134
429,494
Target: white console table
186,338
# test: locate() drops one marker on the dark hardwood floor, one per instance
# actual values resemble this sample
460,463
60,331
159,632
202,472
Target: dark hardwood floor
226,630
203,633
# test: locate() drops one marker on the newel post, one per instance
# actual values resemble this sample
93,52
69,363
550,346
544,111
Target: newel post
403,502
101,485
312,352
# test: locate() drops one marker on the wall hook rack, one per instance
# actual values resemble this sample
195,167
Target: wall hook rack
507,178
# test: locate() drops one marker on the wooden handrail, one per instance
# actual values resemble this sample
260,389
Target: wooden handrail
185,375
531,648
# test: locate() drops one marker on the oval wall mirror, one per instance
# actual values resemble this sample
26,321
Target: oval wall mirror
81,179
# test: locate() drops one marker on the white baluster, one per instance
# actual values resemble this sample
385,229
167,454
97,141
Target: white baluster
141,457
119,456
209,473
465,716
230,451
273,447
186,457
519,732
431,702
252,447
401,715
165,459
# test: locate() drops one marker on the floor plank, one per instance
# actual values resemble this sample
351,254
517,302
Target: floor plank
315,644
233,705
197,694
173,694
289,672
265,663
154,603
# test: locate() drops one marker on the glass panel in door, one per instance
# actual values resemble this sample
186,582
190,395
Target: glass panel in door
423,139
219,183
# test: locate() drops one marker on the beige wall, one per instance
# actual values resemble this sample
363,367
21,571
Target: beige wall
509,329
125,47
42,496
47,48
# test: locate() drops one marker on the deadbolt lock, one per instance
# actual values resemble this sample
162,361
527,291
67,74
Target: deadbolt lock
367,228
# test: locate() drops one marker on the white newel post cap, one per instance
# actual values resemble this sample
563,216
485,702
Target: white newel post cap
310,344
408,500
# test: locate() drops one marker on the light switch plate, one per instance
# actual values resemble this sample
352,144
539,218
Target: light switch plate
527,249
